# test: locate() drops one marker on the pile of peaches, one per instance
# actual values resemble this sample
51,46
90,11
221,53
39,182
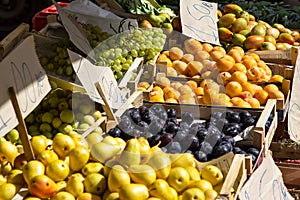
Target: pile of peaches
214,77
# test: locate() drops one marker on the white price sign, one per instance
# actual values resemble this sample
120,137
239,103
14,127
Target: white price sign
265,183
90,74
199,20
294,108
21,70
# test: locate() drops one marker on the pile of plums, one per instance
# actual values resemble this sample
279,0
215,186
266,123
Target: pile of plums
206,139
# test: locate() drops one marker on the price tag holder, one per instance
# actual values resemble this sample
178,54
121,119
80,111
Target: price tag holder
76,35
90,74
21,70
294,108
199,20
265,183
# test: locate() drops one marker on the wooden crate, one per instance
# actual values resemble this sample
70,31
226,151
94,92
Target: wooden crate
234,171
290,174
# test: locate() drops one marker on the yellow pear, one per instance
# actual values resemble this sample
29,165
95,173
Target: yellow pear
193,172
95,183
160,189
113,196
212,174
47,156
78,156
39,144
133,191
131,153
61,186
75,186
88,196
33,168
103,151
161,163
8,151
179,178
117,177
182,160
63,195
62,145
143,174
92,167
193,193
202,184
8,191
58,170
15,176
210,194
108,165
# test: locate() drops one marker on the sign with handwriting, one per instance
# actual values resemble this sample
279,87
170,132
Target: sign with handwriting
90,74
75,34
21,70
199,20
265,183
294,108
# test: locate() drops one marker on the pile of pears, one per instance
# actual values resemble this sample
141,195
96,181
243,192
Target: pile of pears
238,27
66,168
63,111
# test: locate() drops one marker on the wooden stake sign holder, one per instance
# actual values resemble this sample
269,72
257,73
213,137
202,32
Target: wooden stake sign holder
28,151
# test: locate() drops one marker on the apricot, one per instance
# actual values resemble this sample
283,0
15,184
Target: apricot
175,53
239,77
179,66
238,67
255,56
237,101
209,64
176,85
156,97
253,102
233,89
225,63
187,99
194,68
216,55
205,81
187,58
249,62
163,82
236,55
192,84
171,71
219,48
171,100
207,47
249,87
276,95
192,46
262,96
157,89
254,74
276,78
201,55
271,87
170,92
223,78
206,75
240,49
199,91
186,89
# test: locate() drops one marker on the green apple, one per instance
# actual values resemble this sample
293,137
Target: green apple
30,119
33,128
178,178
54,112
48,135
53,101
45,127
63,105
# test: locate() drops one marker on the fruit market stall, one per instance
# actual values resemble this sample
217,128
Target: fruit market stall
122,100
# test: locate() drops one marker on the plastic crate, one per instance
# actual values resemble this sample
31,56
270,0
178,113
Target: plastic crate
39,20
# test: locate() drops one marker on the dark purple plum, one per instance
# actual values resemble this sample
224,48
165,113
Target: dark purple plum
221,149
115,132
143,109
213,139
202,133
171,127
194,146
171,112
187,117
249,121
200,156
236,150
253,151
229,139
166,138
244,114
154,140
234,117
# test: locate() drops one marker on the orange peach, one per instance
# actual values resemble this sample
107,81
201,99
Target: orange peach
238,67
276,95
276,78
206,81
175,53
223,99
211,86
210,97
187,58
245,94
271,87
192,45
206,75
254,74
239,77
249,87
199,91
225,63
233,89
253,102
209,64
216,55
187,99
179,66
223,78
249,62
237,101
240,49
193,84
235,54
157,89
144,84
219,48
194,68
262,96
199,100
170,92
164,61
207,47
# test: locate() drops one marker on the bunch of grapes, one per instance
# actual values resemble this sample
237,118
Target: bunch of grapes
119,51
95,34
59,61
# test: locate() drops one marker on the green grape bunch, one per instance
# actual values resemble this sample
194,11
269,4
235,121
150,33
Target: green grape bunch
119,51
95,34
59,62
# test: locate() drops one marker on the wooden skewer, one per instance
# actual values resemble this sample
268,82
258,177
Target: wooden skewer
22,126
